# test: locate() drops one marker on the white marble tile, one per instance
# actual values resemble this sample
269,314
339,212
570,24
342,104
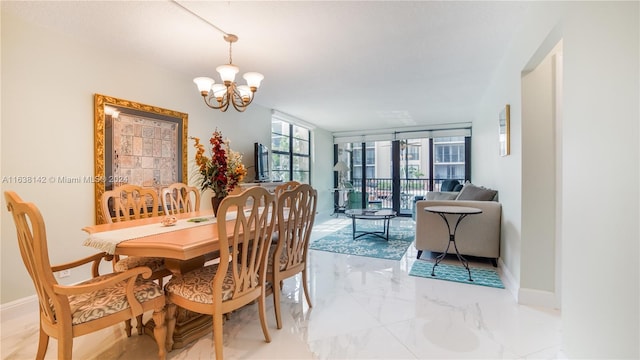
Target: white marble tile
363,308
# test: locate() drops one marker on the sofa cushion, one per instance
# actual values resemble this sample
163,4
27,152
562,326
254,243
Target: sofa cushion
439,195
472,192
449,185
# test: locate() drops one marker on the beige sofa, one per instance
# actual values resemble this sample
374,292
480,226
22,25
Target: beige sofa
477,235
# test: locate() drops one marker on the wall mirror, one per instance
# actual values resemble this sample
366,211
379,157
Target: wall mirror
137,144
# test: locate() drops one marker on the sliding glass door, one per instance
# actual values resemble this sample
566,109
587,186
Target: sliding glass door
390,174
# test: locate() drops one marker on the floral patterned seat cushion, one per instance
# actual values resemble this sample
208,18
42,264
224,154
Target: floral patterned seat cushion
97,304
131,262
197,285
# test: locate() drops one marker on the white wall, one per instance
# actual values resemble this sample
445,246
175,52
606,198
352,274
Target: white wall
600,235
601,239
539,180
47,130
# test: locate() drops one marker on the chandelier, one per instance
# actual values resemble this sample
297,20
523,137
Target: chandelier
220,96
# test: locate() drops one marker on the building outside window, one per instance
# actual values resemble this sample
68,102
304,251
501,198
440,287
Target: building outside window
291,152
449,160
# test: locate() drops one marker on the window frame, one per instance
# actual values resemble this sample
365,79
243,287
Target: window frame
294,156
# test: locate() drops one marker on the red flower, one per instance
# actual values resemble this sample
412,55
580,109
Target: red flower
224,170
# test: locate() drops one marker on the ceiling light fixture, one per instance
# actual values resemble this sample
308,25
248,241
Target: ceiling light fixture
220,96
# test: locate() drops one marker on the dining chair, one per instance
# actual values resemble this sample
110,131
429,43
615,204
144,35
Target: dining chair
277,191
288,256
69,311
128,202
289,185
180,198
239,278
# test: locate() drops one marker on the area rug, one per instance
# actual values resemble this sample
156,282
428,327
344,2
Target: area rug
401,234
457,273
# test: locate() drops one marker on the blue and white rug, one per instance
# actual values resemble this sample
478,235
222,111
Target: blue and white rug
457,273
401,234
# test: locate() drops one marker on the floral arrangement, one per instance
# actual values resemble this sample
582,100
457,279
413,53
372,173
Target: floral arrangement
224,170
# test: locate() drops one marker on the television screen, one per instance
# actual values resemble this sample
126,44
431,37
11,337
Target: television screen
261,162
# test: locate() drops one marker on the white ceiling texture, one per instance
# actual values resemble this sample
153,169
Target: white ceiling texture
341,65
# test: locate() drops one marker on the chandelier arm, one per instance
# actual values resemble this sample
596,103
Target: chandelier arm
238,102
223,105
208,102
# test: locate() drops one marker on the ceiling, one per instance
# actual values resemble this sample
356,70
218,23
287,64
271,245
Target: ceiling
340,65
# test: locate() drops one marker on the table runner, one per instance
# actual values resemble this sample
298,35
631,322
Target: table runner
108,240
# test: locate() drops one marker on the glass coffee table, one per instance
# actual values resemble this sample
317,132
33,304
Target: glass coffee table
371,214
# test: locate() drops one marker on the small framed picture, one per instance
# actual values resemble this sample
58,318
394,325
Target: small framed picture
504,131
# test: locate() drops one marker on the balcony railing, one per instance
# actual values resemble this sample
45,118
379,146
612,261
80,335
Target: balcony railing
379,191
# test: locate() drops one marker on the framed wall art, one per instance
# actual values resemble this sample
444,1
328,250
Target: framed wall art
504,131
137,144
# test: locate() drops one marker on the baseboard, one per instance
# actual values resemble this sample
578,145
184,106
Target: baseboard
533,297
16,308
510,282
524,296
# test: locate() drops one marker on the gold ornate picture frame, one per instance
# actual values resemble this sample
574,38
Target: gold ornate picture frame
504,130
137,144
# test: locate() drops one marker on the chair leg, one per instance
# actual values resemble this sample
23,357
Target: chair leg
171,325
127,327
43,343
139,324
160,332
217,334
305,287
65,346
262,311
276,306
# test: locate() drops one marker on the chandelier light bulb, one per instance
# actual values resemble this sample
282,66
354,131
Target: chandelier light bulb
227,73
253,79
204,84
245,93
219,91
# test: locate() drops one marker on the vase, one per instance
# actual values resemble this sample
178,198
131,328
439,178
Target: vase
215,204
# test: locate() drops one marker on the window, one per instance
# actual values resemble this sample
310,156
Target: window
290,153
449,161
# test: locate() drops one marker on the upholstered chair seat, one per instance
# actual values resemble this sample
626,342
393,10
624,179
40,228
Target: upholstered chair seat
196,285
97,304
154,263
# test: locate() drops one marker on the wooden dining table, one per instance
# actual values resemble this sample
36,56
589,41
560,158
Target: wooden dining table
184,249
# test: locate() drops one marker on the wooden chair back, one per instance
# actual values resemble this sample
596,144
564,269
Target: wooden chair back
294,225
289,185
35,253
180,198
246,242
128,202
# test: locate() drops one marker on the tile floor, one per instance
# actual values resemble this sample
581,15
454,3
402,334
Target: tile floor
363,308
